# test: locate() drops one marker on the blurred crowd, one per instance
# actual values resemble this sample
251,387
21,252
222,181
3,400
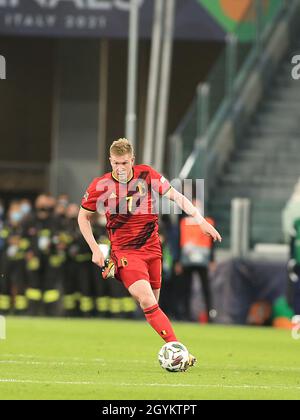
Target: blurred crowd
46,268
45,263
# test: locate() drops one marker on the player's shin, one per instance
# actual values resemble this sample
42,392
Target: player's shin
160,323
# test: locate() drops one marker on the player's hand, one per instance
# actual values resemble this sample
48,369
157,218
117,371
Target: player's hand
98,258
209,230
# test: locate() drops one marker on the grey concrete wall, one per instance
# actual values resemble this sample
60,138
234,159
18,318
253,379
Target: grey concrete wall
75,148
49,106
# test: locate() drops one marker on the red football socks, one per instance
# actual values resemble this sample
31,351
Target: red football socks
160,322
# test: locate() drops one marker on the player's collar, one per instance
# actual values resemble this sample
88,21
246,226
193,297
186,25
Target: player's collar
120,182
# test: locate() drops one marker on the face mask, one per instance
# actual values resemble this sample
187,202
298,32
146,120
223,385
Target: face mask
63,203
25,209
16,216
44,210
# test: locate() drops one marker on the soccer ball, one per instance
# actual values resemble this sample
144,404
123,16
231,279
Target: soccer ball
173,357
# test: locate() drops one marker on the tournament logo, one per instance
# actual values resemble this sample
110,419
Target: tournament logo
95,5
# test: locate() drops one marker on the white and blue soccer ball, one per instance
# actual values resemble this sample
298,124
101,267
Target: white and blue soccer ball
173,357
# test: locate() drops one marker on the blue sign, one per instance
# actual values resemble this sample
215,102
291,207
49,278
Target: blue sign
100,18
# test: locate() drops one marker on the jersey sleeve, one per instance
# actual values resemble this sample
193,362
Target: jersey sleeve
159,183
89,200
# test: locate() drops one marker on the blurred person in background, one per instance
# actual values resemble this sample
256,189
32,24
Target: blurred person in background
169,240
2,235
70,285
63,200
103,293
44,258
196,255
112,299
26,208
60,207
13,279
78,294
59,212
2,212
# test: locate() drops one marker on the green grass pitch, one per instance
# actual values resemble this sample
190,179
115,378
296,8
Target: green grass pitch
100,360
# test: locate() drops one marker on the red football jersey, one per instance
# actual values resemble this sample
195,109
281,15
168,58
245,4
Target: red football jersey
131,208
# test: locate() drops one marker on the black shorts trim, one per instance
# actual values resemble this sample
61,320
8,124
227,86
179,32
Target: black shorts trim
91,211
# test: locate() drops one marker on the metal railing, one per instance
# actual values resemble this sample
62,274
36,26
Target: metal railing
193,141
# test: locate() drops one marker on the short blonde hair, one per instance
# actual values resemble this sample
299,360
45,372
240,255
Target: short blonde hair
121,147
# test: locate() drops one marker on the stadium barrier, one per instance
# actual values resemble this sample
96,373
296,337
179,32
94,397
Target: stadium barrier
238,284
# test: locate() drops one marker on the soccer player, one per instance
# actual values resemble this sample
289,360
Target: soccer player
127,195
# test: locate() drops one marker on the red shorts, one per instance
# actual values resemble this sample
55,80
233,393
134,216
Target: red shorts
131,266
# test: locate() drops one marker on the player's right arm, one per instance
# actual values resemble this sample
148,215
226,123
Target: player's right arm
84,221
88,208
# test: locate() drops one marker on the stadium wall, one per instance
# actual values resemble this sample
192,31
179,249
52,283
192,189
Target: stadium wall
64,102
75,149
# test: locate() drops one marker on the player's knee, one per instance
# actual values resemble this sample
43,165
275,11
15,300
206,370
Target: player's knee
146,301
143,294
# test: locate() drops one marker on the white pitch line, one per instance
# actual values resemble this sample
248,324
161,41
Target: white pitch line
29,381
220,386
22,362
31,356
82,361
71,359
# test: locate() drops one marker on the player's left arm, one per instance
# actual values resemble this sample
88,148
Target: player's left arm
186,205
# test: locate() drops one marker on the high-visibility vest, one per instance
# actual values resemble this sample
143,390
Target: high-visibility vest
194,244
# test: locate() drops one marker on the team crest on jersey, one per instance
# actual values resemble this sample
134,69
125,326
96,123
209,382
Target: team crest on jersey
124,262
142,189
162,179
86,196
